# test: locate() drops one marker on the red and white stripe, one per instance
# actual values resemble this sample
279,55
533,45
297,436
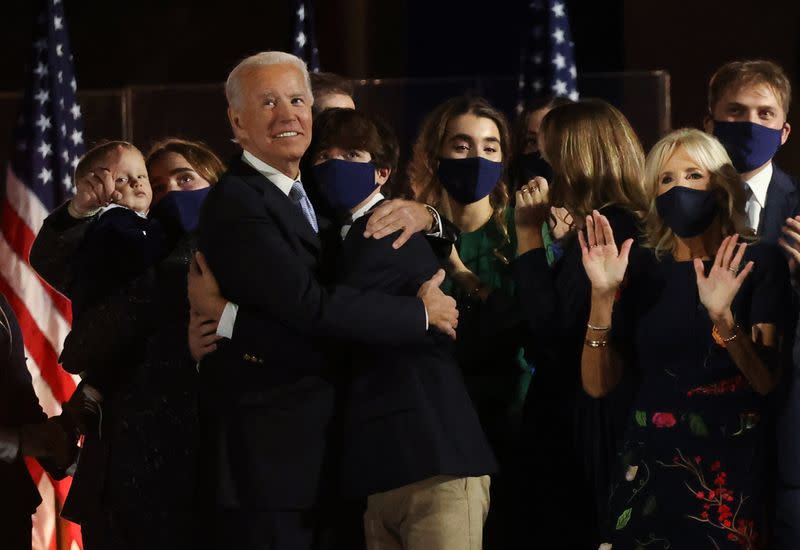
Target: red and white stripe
44,318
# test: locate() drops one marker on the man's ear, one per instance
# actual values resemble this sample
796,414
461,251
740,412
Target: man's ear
708,124
234,119
382,176
787,129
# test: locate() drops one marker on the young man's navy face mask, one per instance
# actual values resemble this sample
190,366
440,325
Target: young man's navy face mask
749,145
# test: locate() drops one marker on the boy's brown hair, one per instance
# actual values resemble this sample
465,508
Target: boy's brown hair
736,74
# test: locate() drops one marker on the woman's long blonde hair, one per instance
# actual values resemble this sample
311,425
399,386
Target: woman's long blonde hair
725,182
597,158
427,150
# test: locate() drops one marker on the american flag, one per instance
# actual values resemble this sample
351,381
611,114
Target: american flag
48,141
304,40
547,60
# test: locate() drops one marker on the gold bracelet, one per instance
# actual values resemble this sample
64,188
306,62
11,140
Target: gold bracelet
722,342
601,329
596,343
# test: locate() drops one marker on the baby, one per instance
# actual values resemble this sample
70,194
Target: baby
119,246
121,243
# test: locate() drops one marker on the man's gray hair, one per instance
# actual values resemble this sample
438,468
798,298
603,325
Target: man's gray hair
233,87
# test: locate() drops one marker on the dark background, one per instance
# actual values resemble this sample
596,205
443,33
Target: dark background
169,46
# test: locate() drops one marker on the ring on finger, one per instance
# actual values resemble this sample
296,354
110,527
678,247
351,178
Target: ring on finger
734,269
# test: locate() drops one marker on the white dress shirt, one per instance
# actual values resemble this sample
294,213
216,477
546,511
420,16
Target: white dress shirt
757,198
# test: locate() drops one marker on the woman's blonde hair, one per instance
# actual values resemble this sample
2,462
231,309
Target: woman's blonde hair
725,182
597,158
428,147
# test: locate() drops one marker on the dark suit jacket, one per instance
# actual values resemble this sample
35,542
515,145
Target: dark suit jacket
265,394
783,201
18,406
408,416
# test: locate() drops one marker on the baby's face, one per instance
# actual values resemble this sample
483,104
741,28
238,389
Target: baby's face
131,181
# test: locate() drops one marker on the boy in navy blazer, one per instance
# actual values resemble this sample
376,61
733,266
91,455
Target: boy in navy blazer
413,445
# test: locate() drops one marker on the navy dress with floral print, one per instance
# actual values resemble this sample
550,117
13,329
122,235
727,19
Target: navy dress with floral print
692,466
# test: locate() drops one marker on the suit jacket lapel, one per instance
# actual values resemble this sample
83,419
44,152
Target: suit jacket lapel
279,204
781,194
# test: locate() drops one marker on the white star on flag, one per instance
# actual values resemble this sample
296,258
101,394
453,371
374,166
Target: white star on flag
57,23
573,71
301,13
60,77
67,181
558,35
42,96
59,50
76,137
76,111
559,61
560,88
45,149
64,132
537,85
301,39
75,161
558,9
65,155
74,84
41,70
45,175
573,95
43,123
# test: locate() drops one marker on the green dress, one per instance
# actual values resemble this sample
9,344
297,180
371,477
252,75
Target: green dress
489,345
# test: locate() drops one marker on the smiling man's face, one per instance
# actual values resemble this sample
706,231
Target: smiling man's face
272,117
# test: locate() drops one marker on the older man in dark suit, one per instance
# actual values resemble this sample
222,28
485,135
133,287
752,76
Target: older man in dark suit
267,398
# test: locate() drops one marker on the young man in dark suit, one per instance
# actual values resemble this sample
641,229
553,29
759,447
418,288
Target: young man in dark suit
413,445
266,397
748,102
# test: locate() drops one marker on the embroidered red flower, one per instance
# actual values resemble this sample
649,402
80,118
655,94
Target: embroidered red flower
663,420
715,466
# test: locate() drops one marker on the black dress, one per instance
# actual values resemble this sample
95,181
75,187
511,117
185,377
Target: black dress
136,483
691,472
570,440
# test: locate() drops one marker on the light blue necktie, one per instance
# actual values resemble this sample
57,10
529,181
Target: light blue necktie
298,195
